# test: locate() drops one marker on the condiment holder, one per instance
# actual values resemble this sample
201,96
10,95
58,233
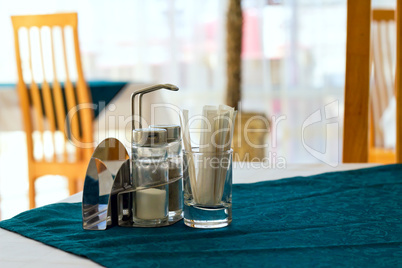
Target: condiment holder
142,191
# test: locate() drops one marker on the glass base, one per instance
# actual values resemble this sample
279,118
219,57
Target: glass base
150,223
175,215
197,216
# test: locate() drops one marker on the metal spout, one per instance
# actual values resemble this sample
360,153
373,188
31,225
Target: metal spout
141,93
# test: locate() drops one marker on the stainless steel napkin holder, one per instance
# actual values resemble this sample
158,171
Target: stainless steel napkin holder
109,178
108,173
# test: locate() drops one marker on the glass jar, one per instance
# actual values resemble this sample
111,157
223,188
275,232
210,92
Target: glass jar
150,177
175,160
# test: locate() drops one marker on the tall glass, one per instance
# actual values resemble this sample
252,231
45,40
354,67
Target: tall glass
207,188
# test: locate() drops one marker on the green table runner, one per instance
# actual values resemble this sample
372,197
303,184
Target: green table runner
350,218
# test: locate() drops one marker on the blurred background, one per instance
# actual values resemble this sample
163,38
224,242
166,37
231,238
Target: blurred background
293,64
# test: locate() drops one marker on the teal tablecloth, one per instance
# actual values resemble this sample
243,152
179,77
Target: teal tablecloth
350,219
102,92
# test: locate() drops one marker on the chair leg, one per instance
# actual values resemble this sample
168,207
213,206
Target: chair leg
72,185
32,203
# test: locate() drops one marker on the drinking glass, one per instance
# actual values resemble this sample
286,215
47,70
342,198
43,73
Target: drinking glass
207,181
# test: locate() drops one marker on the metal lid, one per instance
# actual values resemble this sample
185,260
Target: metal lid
173,131
149,137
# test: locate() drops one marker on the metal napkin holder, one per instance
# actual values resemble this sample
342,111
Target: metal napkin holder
109,177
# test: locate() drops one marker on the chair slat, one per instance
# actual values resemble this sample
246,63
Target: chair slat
83,97
58,97
381,94
47,99
23,96
372,113
376,133
35,93
385,44
71,99
389,47
47,95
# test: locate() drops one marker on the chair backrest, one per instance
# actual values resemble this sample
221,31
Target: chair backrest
357,82
50,106
383,49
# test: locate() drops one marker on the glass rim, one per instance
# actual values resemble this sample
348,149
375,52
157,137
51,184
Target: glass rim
230,151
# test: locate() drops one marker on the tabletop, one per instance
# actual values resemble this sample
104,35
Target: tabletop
17,251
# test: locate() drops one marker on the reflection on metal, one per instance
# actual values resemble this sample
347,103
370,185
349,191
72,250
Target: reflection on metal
110,161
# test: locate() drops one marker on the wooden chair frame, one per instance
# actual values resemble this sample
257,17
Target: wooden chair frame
357,82
52,110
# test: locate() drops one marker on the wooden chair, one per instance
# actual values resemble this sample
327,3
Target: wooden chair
357,82
48,109
383,47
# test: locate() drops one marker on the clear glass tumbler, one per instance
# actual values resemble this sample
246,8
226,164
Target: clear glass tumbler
207,188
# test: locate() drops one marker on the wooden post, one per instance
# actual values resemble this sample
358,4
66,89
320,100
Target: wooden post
357,82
